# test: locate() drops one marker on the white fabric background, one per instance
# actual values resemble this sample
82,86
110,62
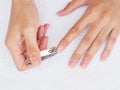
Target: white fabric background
54,74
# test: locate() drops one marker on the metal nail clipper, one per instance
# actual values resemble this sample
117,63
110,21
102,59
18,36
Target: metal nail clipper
45,54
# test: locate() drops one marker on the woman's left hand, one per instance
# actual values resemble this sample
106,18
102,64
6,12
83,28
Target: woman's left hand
103,18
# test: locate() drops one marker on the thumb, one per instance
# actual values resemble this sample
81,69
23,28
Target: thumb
32,46
71,6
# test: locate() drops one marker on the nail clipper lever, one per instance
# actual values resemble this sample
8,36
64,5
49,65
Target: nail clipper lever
45,54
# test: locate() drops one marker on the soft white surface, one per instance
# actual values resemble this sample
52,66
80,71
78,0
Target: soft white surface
54,74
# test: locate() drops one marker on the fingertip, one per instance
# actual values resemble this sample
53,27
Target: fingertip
46,26
104,55
63,12
72,64
62,45
22,68
84,64
60,48
40,27
74,60
60,13
103,58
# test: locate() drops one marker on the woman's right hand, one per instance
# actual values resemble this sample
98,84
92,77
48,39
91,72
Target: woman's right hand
22,33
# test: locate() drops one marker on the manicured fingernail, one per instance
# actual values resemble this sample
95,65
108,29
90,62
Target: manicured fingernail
60,12
104,56
73,63
60,48
84,64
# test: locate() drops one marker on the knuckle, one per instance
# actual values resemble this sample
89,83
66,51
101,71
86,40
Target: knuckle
8,43
35,59
87,40
95,24
32,54
94,8
77,55
98,42
89,56
32,49
104,15
95,5
69,4
112,39
65,41
93,11
75,30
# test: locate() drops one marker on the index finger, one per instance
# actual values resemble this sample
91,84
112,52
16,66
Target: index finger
74,31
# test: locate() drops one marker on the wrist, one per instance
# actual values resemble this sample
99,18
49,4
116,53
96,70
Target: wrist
22,2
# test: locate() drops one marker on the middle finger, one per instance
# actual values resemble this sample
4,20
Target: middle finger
86,41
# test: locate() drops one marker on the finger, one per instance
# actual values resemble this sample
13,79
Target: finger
74,32
77,29
18,58
16,49
46,26
32,46
43,44
110,43
42,31
41,34
38,36
95,46
86,42
73,5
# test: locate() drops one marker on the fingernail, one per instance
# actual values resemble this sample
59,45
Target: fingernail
84,64
60,48
73,63
60,12
104,56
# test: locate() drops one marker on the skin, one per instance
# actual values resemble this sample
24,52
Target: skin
103,19
23,34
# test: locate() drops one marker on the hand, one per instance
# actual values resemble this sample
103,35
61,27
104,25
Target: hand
102,17
22,33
